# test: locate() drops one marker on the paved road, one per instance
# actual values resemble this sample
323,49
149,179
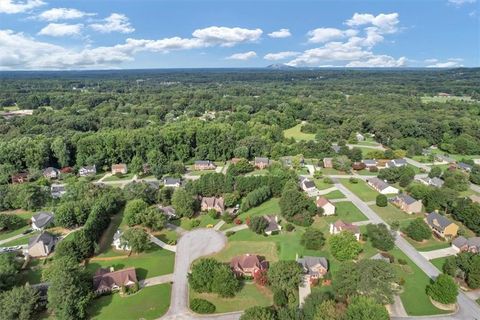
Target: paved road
162,244
191,246
156,280
236,228
468,309
418,164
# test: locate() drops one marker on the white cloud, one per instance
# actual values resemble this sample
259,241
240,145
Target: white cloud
282,33
379,61
243,56
386,23
320,35
61,30
225,36
461,2
116,22
18,6
280,55
56,14
449,63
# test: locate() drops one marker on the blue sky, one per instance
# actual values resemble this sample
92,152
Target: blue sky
88,34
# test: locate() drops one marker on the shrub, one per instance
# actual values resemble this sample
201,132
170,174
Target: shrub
289,227
194,223
381,200
418,230
202,306
258,224
327,180
373,169
213,214
403,262
238,221
353,180
443,289
279,298
227,218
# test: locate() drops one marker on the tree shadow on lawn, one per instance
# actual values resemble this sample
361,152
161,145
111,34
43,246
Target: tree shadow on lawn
99,303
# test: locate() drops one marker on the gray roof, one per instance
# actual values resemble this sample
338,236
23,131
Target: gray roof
379,183
442,221
203,162
261,160
44,237
369,162
406,198
307,183
465,166
50,170
272,223
169,180
381,257
462,241
308,262
437,182
400,161
89,168
43,218
336,148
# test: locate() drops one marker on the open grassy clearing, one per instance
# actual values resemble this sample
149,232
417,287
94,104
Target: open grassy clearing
250,295
337,194
296,134
148,303
321,185
204,219
391,213
123,177
361,189
154,262
33,272
20,241
428,245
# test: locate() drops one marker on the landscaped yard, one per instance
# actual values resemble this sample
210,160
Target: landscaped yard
148,303
204,219
361,189
25,215
154,262
33,273
268,207
127,176
331,171
414,298
428,245
321,185
439,262
296,134
266,249
391,213
250,295
20,241
336,194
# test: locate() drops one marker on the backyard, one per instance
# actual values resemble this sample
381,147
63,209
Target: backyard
361,189
296,134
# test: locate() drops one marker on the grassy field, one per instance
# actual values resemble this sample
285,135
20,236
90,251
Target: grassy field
391,213
441,99
337,194
321,185
154,262
127,176
439,262
414,298
148,303
428,245
249,295
235,248
331,171
33,272
204,219
361,189
296,134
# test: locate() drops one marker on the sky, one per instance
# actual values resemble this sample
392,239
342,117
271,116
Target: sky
129,34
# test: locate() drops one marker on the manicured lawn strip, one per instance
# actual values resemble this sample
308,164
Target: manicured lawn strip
8,234
26,216
268,207
337,194
20,241
295,133
428,245
439,262
127,176
166,235
331,171
205,220
347,212
106,240
366,172
148,303
391,213
154,262
266,249
414,298
321,185
361,189
250,295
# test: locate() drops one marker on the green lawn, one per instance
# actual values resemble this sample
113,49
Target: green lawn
428,245
127,176
296,134
439,262
361,189
366,172
154,262
204,219
331,171
337,194
391,213
148,303
11,233
250,295
20,241
414,298
33,272
266,249
268,207
321,185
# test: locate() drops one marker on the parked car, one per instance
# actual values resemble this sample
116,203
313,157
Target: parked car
27,231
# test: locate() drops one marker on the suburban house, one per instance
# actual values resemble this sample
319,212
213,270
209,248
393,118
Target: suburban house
396,163
41,245
57,190
248,265
407,203
51,173
307,185
168,212
381,257
370,163
313,267
87,171
214,203
273,225
326,205
118,243
42,220
464,166
204,165
336,148
360,137
172,182
20,177
381,186
261,163
434,182
339,226
328,162
444,158
463,244
119,168
107,280
441,225
475,198
235,160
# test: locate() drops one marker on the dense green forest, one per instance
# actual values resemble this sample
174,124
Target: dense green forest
176,116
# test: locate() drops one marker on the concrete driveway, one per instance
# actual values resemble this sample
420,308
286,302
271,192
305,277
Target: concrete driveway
191,246
440,253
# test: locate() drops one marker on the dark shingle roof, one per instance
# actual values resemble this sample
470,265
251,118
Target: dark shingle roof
436,219
44,237
42,218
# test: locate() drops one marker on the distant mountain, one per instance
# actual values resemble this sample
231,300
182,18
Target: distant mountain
280,66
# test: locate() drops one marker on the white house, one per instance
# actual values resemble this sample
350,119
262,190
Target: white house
340,226
118,243
381,186
327,206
